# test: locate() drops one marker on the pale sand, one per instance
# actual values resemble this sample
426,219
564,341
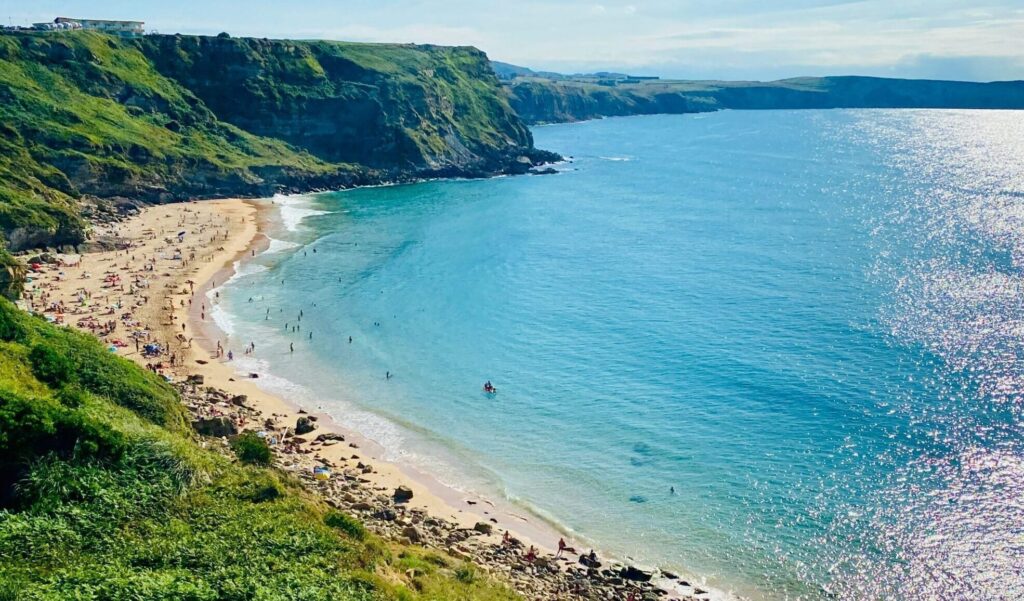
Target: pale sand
221,232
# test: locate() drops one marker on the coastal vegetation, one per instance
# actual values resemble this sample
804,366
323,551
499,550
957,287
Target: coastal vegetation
106,493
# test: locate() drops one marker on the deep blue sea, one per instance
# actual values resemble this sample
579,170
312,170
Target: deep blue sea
807,323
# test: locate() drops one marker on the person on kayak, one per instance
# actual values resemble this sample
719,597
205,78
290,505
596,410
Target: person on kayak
489,388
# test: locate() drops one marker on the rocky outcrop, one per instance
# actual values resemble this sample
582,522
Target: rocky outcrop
12,276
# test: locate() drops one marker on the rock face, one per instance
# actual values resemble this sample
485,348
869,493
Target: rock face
386,106
12,276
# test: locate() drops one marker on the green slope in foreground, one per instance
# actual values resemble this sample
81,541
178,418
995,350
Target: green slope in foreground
106,495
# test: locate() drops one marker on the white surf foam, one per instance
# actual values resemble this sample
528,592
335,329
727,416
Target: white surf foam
222,319
248,268
294,209
277,246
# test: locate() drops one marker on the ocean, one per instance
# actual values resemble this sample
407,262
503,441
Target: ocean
779,352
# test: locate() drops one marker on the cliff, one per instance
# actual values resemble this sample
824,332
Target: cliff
555,100
91,120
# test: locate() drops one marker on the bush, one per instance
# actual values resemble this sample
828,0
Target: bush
71,396
10,326
49,366
465,573
346,523
251,449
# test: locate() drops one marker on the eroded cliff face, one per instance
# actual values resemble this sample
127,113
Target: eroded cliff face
400,108
88,120
12,276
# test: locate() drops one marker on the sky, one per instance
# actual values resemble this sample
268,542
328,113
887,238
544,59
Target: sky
689,39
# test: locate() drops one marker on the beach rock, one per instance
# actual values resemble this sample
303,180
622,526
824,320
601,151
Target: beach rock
239,400
215,426
483,528
413,534
330,436
636,574
386,514
195,379
402,494
304,426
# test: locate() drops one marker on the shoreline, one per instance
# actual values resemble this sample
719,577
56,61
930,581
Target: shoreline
169,307
438,497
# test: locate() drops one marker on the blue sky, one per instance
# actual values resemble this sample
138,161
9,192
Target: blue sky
728,39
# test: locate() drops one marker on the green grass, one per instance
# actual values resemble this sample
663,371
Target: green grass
105,495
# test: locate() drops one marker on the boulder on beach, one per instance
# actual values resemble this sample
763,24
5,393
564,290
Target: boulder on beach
215,426
413,534
636,574
303,425
483,528
239,400
402,494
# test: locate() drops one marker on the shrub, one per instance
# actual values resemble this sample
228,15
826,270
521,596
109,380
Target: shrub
465,573
50,366
71,396
251,449
346,523
10,326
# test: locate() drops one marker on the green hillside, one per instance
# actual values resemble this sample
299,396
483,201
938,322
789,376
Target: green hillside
89,120
105,495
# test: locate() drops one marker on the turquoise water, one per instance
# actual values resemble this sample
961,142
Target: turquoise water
807,323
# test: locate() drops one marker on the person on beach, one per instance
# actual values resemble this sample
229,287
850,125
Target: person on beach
291,347
531,555
506,539
561,547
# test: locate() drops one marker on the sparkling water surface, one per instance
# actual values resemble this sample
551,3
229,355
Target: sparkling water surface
807,323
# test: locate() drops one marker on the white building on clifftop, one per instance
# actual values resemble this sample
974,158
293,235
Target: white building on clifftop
126,28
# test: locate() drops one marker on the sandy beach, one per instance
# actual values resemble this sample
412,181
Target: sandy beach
150,300
174,311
